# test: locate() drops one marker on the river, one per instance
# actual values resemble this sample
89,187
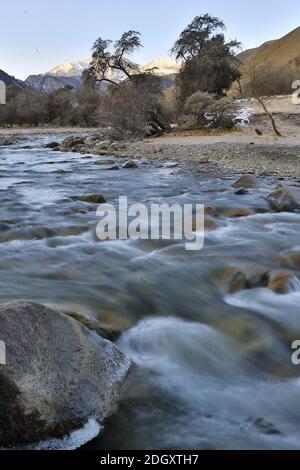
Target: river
212,369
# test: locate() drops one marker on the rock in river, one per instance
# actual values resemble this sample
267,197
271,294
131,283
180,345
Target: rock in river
130,165
72,141
51,145
283,200
58,375
246,182
93,198
279,281
5,141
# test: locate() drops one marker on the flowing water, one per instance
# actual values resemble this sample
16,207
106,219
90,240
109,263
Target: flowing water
212,370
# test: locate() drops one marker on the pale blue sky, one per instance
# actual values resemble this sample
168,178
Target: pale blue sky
37,35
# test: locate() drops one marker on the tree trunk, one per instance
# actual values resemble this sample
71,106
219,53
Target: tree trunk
263,105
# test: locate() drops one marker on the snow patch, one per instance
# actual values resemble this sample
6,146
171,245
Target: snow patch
243,116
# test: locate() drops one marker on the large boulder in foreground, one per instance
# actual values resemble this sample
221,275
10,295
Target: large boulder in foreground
58,374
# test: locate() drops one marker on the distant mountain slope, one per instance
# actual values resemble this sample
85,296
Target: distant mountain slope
9,80
281,52
48,83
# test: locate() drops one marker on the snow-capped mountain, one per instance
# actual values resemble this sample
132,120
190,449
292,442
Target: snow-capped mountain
70,74
161,68
70,69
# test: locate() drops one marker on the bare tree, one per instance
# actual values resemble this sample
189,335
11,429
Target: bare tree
110,59
253,72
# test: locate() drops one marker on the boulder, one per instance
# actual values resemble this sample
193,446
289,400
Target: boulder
203,160
72,141
258,279
113,168
58,374
210,210
232,280
279,280
93,198
5,141
210,224
109,325
246,182
241,192
103,144
283,200
290,259
237,212
104,162
51,145
92,139
130,165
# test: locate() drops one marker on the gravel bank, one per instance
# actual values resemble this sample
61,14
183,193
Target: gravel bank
261,159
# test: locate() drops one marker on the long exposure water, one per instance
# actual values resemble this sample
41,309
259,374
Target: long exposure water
212,368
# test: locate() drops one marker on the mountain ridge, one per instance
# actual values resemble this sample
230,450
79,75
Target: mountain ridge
70,74
76,68
10,80
281,52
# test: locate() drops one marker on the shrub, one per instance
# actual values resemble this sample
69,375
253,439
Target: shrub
204,110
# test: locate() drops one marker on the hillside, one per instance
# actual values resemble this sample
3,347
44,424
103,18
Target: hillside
281,52
48,83
9,80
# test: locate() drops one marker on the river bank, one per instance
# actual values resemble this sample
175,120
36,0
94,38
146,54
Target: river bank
266,158
28,131
237,151
263,156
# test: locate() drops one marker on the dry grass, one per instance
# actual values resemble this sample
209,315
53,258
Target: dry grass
280,52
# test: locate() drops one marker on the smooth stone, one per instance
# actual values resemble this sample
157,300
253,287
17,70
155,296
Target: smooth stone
279,280
130,165
283,200
235,213
246,182
58,375
93,198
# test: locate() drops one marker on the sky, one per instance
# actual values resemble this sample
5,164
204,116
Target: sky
36,35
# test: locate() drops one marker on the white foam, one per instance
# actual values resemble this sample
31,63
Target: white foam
282,308
294,285
213,398
71,442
